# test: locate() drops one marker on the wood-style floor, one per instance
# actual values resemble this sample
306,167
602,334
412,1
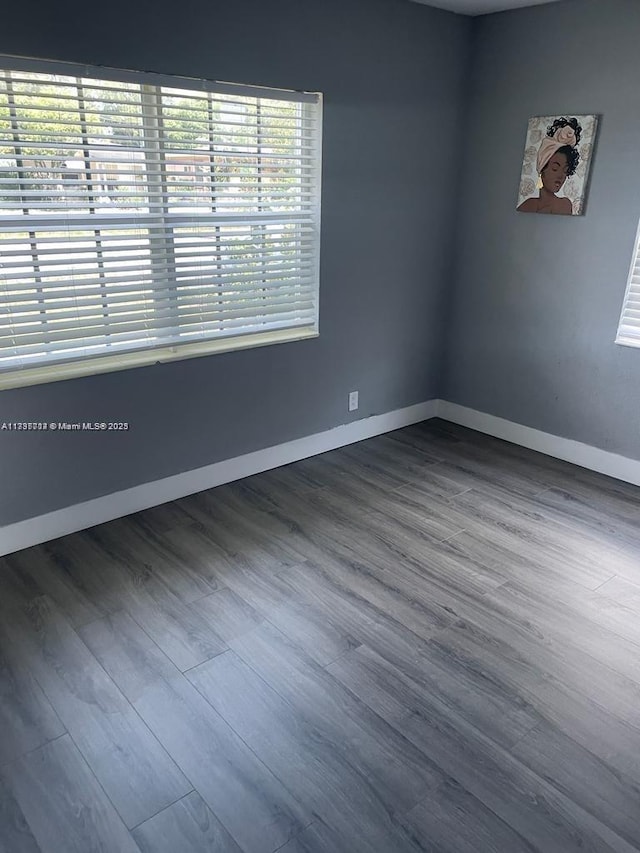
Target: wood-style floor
429,641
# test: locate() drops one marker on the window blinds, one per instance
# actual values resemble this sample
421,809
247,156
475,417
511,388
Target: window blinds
629,328
136,216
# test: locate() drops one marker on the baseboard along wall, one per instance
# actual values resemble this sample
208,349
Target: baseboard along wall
43,528
584,455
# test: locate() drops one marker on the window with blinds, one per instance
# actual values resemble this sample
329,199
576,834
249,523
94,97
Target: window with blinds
629,328
146,218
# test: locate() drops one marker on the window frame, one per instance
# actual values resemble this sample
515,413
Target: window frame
621,339
81,365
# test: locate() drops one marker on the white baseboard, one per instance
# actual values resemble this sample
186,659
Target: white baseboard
43,528
584,455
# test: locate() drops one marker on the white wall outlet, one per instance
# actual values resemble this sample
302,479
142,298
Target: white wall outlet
353,401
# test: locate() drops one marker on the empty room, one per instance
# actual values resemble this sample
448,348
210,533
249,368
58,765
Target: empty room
319,444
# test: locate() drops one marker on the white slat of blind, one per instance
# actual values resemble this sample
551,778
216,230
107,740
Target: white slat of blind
135,215
629,327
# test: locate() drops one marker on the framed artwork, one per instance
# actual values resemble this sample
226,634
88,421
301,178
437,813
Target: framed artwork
556,165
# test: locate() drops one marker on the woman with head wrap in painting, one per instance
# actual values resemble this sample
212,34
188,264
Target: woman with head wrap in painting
558,159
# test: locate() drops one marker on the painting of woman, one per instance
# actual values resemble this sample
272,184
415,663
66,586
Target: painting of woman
560,155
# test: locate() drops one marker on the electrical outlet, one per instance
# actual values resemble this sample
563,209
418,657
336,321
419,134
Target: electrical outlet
353,401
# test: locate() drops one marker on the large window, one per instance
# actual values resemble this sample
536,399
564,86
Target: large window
629,328
146,218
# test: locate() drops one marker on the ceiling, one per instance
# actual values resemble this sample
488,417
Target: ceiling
481,7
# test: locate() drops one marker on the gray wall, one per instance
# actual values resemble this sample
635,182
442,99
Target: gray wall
393,76
537,299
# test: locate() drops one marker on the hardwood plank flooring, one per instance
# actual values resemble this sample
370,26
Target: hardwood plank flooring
27,719
250,801
305,749
133,768
188,826
15,835
455,821
428,642
63,804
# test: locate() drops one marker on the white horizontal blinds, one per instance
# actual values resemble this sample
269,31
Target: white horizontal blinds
135,216
629,328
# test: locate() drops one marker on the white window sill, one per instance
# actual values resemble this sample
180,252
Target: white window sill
628,342
122,361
